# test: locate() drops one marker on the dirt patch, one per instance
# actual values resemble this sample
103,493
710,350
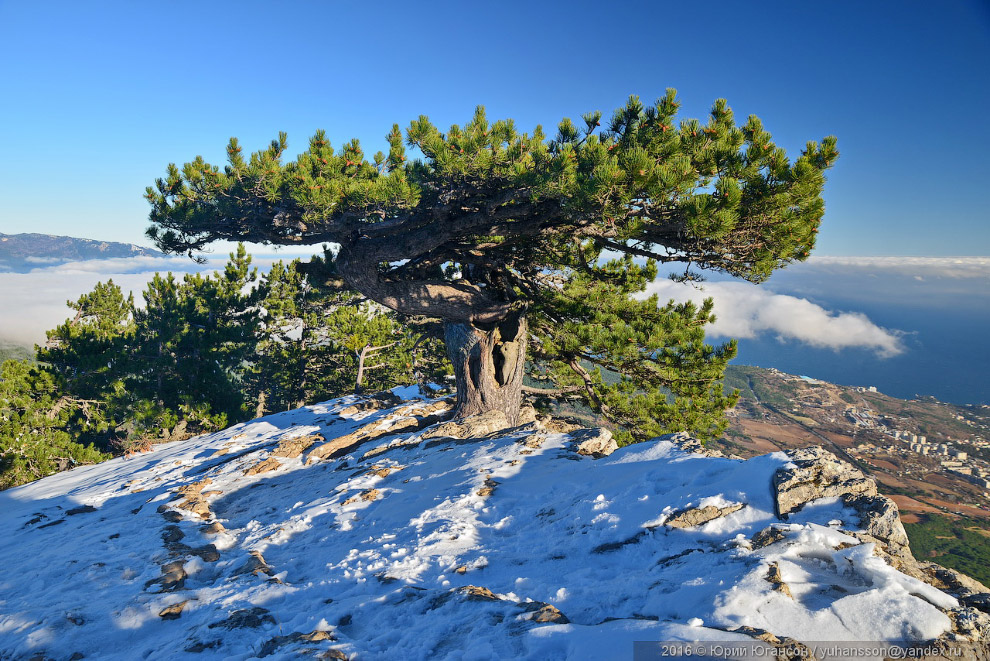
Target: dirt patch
883,465
889,480
908,504
768,437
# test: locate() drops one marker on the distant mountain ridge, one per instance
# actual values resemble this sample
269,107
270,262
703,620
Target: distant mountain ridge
21,253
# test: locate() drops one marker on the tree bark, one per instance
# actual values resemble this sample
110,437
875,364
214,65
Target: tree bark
489,362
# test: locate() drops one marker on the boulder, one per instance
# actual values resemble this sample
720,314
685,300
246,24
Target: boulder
766,537
816,473
173,612
594,442
173,577
686,442
255,565
477,593
544,613
271,646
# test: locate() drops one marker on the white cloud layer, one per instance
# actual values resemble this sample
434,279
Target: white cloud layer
748,311
916,267
31,303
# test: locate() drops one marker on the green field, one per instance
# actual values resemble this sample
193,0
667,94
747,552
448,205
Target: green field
960,543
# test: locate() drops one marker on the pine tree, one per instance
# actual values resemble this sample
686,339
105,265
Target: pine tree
319,340
495,231
191,339
33,417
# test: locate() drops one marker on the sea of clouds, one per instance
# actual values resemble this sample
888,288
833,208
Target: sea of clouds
33,302
793,306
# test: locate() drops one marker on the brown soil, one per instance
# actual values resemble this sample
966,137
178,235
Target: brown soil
908,504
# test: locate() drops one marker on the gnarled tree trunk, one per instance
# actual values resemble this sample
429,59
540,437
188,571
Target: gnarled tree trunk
489,362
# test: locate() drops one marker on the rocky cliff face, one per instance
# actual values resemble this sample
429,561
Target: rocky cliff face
370,528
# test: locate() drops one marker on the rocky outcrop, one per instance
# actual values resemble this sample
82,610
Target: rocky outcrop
686,442
471,427
881,521
290,448
268,465
816,473
403,420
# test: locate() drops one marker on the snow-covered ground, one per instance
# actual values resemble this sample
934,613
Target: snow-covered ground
373,556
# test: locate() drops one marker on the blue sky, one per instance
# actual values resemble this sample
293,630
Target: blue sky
99,97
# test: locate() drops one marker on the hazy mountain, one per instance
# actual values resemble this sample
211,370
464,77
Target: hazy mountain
20,253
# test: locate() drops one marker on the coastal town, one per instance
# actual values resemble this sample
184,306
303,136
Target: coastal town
929,455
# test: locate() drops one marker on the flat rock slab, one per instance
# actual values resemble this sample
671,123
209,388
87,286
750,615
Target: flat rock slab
697,516
268,465
290,448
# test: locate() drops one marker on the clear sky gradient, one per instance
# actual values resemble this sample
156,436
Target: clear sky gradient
97,97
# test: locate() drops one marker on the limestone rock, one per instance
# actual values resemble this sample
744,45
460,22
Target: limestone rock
776,580
290,448
477,593
594,441
384,471
197,505
557,425
879,517
376,402
269,464
488,488
766,537
980,601
271,646
533,440
375,430
188,490
173,612
686,442
783,647
527,414
815,473
212,529
366,496
207,553
245,618
255,565
172,534
697,516
472,427
543,612
173,577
